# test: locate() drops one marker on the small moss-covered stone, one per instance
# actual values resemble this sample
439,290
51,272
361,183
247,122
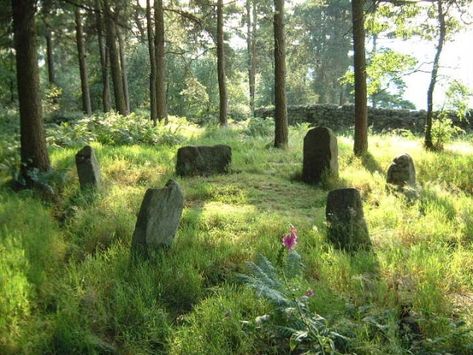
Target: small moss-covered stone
402,171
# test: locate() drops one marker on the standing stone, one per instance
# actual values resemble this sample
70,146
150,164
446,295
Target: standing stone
88,168
320,155
347,228
402,172
158,219
203,160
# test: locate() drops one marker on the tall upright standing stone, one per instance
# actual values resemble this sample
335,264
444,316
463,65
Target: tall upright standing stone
159,218
347,228
320,155
88,168
402,172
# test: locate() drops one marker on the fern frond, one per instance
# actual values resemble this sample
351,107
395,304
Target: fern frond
294,264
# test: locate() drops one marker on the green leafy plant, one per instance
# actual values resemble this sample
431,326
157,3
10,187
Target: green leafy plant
113,129
458,96
52,98
291,315
259,127
443,130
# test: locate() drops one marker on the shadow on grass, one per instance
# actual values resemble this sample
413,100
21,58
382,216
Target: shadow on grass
370,163
327,183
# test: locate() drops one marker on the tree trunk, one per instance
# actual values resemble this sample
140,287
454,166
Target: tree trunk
138,22
84,77
280,113
152,61
104,60
251,47
111,35
12,81
34,153
374,96
341,98
361,110
161,105
433,77
222,89
49,57
121,49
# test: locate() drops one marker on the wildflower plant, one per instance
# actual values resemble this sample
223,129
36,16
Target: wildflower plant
291,317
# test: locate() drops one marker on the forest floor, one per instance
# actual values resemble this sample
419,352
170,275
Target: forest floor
67,284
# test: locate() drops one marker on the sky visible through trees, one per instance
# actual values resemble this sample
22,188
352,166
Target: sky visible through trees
456,61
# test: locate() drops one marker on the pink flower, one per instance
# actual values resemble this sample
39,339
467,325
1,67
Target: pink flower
309,293
289,241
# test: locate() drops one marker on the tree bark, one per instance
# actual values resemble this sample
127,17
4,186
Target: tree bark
84,77
104,60
251,47
222,89
138,22
374,96
12,80
361,110
117,78
161,104
49,57
433,76
34,153
121,49
152,61
280,113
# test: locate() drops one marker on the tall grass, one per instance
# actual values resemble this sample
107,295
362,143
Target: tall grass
68,285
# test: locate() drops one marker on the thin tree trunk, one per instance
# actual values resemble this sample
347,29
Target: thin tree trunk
280,113
222,89
84,77
49,57
104,60
117,78
433,77
34,153
161,105
251,47
12,81
341,98
121,48
152,61
374,101
361,110
138,22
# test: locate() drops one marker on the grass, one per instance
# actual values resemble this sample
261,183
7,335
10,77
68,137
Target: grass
67,284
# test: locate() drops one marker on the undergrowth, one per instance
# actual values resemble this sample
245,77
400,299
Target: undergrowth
67,284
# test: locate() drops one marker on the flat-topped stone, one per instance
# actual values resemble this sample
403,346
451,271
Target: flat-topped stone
203,160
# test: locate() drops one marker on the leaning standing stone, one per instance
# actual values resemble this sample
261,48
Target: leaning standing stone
402,172
203,160
88,168
159,218
320,155
347,228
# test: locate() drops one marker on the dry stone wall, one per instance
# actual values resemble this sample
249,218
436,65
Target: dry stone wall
341,117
